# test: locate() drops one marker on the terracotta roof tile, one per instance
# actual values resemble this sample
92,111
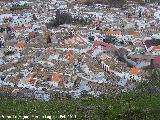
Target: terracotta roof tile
135,71
156,60
156,47
20,45
56,77
114,32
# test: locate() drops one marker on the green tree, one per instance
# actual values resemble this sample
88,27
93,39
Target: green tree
91,38
34,17
151,82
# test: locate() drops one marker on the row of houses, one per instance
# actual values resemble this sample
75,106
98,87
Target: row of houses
108,55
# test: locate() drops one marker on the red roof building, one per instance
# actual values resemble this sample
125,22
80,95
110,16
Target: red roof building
155,62
17,28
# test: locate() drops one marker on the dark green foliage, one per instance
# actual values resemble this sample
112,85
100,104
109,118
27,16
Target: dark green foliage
116,3
112,3
130,43
1,44
132,115
61,18
52,23
127,107
8,53
91,38
153,1
48,39
156,41
5,20
91,2
81,21
151,82
66,18
34,17
109,39
19,7
84,94
2,30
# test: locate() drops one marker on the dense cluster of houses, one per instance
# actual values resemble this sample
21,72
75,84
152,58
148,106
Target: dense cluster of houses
108,56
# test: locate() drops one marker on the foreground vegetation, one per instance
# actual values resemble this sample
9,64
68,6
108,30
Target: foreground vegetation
140,104
19,7
116,3
126,107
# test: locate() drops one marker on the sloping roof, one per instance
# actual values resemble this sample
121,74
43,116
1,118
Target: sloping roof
32,34
114,32
96,22
135,71
156,60
69,55
107,46
148,43
78,39
56,77
156,47
98,43
20,44
21,28
30,75
133,33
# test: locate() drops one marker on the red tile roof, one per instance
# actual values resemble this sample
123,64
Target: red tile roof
114,32
135,71
156,60
69,55
98,43
21,28
20,45
156,47
56,77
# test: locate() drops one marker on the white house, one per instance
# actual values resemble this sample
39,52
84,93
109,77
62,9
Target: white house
156,52
21,21
48,19
125,37
41,95
157,36
129,25
157,14
2,16
22,2
141,24
105,66
97,51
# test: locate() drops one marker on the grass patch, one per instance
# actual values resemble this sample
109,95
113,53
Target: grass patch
129,106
